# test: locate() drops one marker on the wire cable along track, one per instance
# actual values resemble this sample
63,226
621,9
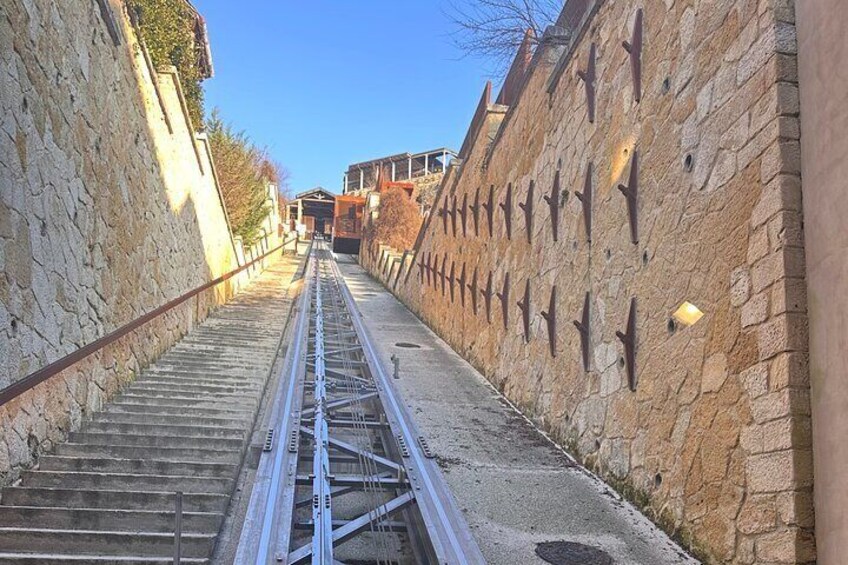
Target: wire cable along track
345,476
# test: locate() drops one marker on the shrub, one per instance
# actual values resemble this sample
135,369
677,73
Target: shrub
244,172
398,221
167,27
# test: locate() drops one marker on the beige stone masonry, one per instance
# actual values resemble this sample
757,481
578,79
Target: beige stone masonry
109,208
715,441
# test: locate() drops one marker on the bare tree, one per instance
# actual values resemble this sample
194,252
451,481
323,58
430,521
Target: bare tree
494,29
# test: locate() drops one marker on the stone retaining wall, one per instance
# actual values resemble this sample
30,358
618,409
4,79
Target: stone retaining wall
714,442
109,208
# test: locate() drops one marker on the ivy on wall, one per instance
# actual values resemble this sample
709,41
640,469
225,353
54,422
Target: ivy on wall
168,30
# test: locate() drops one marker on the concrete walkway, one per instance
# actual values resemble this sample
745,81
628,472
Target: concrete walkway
516,488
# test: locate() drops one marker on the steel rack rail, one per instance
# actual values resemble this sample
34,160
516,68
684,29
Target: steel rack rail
347,463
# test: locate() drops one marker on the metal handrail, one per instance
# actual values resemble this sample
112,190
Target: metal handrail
34,379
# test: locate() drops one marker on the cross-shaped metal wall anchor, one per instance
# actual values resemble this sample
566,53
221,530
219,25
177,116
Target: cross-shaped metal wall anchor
550,317
583,326
452,279
629,341
631,193
444,272
503,296
634,48
506,206
527,206
588,78
585,198
461,282
453,216
524,306
489,206
472,288
553,203
475,212
463,215
487,296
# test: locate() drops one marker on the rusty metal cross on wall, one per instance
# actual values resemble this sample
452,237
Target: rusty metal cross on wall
487,297
475,212
503,296
585,198
550,317
553,204
506,206
527,206
489,206
588,77
634,49
631,193
524,306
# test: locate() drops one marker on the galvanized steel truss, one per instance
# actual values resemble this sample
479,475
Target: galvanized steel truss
354,467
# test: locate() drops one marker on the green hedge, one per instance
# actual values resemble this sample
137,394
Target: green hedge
243,173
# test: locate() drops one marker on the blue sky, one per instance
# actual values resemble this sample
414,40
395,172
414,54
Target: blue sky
326,83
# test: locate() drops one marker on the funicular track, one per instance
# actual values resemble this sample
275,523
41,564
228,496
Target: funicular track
345,476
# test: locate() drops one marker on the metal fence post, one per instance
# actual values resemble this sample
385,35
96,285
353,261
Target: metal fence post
178,527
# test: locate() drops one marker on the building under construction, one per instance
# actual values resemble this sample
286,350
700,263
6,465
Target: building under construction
362,177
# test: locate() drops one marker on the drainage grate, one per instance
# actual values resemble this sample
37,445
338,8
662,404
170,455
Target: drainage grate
571,553
406,345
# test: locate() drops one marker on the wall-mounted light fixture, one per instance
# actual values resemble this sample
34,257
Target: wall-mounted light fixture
687,314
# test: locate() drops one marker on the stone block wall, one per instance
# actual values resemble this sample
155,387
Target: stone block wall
109,208
714,442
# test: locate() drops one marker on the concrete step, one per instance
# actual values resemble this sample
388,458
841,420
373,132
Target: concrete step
240,371
171,419
57,517
164,429
135,466
221,402
217,409
246,333
126,481
190,442
177,375
255,366
259,342
16,558
107,495
219,366
151,544
196,386
144,452
120,500
171,398
193,390
222,365
234,353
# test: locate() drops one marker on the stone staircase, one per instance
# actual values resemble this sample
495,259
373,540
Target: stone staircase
108,494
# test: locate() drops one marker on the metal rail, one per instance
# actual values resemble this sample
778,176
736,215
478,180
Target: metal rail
51,370
347,477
